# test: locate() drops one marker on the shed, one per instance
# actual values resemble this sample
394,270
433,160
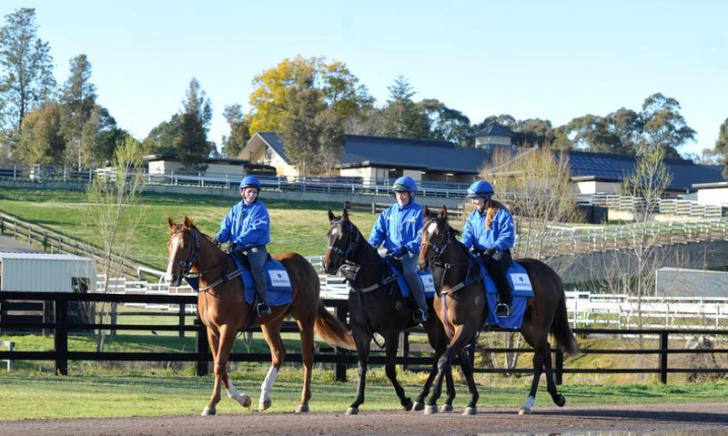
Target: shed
42,272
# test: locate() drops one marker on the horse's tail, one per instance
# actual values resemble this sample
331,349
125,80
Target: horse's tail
333,331
561,330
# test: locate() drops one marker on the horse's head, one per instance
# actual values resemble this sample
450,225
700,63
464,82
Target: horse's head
437,236
184,249
343,240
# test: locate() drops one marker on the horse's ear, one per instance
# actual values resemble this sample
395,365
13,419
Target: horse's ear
332,217
188,223
345,214
170,221
443,213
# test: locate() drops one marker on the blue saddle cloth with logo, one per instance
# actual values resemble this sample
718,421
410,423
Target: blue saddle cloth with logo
426,277
279,284
521,290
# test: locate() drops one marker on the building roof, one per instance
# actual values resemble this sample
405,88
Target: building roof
41,256
385,152
431,156
495,129
172,156
617,167
715,185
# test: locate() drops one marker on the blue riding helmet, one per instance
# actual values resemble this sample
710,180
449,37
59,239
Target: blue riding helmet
481,188
250,182
404,184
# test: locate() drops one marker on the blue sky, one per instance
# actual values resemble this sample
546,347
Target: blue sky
553,60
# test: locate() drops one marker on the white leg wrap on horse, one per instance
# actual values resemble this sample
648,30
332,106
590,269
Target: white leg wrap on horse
235,395
528,405
267,385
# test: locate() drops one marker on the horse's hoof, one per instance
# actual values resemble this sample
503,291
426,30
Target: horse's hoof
407,404
208,411
418,406
302,408
524,411
470,411
447,408
560,400
352,411
264,405
244,400
430,410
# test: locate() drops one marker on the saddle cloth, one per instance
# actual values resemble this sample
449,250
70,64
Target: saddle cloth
521,290
279,284
426,277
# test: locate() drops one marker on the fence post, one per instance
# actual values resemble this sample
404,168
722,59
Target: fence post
663,357
60,338
405,349
559,367
182,320
342,309
201,347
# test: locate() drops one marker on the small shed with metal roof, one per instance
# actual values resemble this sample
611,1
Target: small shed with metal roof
43,272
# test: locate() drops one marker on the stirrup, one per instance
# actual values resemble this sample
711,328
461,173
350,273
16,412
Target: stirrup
263,309
419,315
503,310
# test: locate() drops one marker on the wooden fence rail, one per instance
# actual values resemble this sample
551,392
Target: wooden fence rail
61,355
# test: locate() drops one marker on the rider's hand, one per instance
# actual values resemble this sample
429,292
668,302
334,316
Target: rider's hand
397,252
490,252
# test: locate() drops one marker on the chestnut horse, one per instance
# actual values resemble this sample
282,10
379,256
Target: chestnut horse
376,305
460,304
223,309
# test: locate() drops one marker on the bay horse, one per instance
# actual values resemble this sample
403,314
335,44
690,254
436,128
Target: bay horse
223,309
376,305
460,304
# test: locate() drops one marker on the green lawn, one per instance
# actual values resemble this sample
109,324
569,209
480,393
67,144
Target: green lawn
43,397
296,226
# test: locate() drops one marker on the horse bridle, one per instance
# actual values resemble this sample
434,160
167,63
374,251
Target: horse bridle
352,242
439,249
186,265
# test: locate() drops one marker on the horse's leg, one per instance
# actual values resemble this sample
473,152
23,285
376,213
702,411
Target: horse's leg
362,340
538,361
228,334
272,334
450,391
392,342
558,399
307,351
419,401
468,373
213,339
460,338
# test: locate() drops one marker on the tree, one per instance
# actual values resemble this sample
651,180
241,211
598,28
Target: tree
300,135
161,138
114,197
337,89
191,144
592,132
42,141
721,146
447,124
402,118
627,125
78,100
27,71
331,139
239,131
534,132
99,137
505,120
664,127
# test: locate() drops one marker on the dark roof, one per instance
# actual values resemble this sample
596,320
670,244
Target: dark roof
432,156
415,154
617,167
495,129
172,156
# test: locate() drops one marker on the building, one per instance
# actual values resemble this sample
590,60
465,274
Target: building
168,163
496,137
713,194
377,159
42,272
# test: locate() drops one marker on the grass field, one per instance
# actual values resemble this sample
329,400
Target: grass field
296,226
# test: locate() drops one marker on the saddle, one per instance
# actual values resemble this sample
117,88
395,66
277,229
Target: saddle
521,290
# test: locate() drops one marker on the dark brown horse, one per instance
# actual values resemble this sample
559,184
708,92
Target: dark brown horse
461,306
376,305
223,309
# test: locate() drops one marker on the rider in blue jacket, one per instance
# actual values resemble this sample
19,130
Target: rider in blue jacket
247,228
490,233
399,228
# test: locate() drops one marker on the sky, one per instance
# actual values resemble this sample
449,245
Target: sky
554,60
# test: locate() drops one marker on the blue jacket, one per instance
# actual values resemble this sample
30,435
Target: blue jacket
501,234
399,226
246,225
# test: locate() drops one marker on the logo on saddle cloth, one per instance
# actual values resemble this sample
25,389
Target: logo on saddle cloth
279,283
521,290
428,283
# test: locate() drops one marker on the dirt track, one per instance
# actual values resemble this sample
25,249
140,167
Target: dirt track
709,418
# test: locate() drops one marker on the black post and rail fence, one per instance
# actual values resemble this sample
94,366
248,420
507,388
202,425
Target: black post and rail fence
62,326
